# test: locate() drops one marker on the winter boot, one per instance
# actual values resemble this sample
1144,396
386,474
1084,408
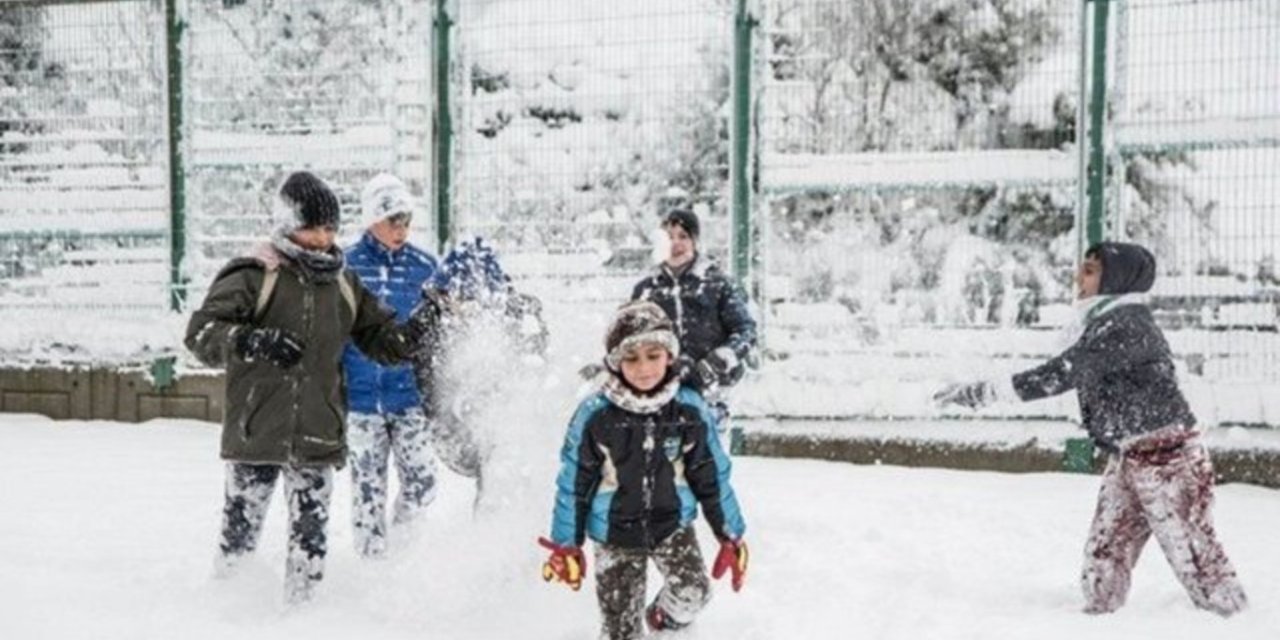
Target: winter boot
658,620
371,546
300,580
227,565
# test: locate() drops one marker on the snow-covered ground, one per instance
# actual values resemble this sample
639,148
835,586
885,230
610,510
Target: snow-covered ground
107,531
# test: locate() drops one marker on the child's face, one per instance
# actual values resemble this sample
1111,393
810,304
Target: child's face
645,365
1089,278
681,245
315,238
392,232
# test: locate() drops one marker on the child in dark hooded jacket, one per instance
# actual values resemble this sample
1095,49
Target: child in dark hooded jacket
1158,478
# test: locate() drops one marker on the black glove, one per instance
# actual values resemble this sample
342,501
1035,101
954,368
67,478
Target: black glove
687,371
717,368
590,370
972,394
425,317
277,346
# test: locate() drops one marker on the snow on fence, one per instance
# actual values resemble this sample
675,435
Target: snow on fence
917,172
83,191
794,172
922,185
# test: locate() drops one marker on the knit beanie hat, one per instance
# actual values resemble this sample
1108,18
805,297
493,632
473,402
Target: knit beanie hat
384,196
307,202
636,323
685,219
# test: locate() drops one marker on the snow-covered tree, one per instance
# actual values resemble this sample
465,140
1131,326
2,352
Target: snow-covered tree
918,75
23,69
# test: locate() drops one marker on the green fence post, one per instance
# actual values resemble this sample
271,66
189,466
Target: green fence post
174,28
1097,121
444,127
739,176
737,441
163,373
1078,456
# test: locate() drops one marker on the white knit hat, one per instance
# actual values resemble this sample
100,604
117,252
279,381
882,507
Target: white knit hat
384,196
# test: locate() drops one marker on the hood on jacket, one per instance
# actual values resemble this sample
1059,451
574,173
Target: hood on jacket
1126,268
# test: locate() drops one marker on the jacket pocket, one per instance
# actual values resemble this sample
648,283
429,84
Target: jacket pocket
341,418
254,402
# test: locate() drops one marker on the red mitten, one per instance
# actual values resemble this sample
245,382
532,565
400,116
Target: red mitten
566,564
733,556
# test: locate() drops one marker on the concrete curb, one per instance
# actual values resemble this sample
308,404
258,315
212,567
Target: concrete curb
1260,467
110,393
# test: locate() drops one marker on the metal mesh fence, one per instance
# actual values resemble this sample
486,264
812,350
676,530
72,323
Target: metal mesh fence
918,166
83,191
273,86
921,181
580,123
1197,148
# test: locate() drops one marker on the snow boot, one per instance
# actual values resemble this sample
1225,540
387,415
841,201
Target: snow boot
658,620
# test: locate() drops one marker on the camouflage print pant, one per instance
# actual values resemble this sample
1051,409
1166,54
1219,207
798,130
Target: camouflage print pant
1166,492
248,494
620,583
372,439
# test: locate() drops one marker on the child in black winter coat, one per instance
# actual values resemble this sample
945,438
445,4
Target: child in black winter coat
640,457
1158,479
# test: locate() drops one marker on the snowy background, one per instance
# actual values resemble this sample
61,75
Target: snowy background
117,540
918,170
917,220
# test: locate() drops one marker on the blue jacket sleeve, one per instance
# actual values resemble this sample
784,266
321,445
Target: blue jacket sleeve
707,470
579,477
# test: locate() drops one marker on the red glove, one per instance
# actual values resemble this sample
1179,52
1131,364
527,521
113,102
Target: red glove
566,564
733,556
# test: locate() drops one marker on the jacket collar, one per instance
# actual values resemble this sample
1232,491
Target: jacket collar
1090,309
699,268
379,250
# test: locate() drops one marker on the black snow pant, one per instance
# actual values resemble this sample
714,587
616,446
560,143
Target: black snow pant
620,583
248,494
1160,485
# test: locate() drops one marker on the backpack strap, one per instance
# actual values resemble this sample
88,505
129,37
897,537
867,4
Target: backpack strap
348,293
271,276
269,279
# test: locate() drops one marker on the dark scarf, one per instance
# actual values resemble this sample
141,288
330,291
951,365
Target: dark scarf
320,266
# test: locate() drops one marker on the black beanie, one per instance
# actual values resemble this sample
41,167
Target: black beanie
311,201
685,219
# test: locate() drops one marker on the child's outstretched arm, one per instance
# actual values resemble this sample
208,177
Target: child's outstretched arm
1113,343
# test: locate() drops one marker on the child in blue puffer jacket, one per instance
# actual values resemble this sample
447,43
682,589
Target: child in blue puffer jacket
385,419
639,459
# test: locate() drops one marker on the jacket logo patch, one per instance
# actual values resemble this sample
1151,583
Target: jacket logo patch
671,447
